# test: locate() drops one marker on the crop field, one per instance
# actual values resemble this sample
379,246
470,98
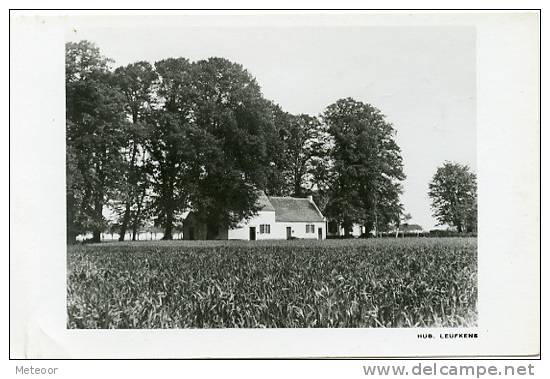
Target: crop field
406,282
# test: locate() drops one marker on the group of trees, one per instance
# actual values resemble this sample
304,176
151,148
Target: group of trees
150,141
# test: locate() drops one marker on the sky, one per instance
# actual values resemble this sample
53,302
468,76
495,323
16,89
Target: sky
423,78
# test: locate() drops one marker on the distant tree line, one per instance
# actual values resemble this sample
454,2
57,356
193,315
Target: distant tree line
151,141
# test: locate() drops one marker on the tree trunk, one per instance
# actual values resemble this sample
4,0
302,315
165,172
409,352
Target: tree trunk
211,230
131,182
459,227
297,187
347,228
96,236
168,225
98,216
98,201
125,221
369,226
375,218
135,226
167,232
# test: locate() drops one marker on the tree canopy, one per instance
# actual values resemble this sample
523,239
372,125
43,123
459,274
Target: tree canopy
185,135
95,135
136,82
151,141
367,166
453,191
230,133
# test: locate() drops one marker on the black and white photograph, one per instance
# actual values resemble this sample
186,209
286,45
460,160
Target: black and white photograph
267,178
224,179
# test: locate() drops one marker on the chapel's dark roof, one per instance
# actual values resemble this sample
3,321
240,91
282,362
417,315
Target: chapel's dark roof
294,209
287,209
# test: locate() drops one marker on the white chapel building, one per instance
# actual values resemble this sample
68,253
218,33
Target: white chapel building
279,218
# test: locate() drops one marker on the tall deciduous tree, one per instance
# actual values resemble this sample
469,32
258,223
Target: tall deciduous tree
367,166
277,181
136,81
95,120
453,191
298,151
231,132
303,149
169,144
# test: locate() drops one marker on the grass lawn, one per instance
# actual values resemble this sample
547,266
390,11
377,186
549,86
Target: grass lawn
389,282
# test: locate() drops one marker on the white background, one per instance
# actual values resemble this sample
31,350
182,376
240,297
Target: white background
508,243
